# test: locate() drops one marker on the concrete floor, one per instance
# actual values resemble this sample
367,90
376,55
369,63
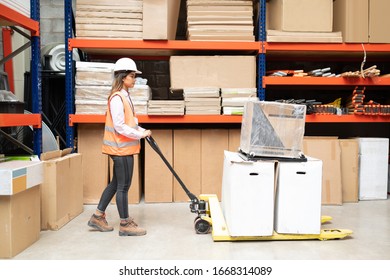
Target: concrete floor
171,236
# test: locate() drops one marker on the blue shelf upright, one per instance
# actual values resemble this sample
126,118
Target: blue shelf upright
261,56
36,81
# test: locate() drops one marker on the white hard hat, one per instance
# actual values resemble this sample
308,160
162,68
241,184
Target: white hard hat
126,64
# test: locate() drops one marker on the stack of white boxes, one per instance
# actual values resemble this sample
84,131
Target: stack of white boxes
276,190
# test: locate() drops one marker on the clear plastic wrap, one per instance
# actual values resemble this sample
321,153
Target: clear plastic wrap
273,129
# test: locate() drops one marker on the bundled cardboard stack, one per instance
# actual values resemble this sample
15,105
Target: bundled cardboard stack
109,19
93,85
220,20
202,101
234,99
166,107
140,95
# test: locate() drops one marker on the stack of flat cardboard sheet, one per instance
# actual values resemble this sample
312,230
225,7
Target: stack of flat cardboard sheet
234,99
166,107
93,84
220,20
202,101
140,95
106,19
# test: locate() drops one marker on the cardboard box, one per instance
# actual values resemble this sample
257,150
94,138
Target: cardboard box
301,15
328,150
213,71
273,129
373,168
19,175
158,178
351,18
20,221
379,21
95,165
362,21
298,197
214,143
350,169
135,191
187,162
234,140
62,188
248,196
160,19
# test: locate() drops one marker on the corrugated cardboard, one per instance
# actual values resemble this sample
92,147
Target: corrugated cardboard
379,21
95,164
234,140
298,197
135,191
373,164
328,150
21,221
62,189
213,71
158,178
350,169
187,162
160,19
214,143
351,18
301,15
248,196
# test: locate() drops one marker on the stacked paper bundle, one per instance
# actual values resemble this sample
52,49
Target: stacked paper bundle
220,20
93,85
166,107
202,101
234,99
140,95
109,19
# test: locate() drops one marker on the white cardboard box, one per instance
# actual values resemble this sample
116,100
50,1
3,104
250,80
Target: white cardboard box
248,196
19,175
298,197
373,168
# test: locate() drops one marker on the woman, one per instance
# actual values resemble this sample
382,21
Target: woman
121,141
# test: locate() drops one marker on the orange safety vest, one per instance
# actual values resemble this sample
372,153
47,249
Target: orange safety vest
115,143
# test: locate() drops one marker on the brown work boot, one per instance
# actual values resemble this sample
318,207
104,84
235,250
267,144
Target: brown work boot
99,223
130,228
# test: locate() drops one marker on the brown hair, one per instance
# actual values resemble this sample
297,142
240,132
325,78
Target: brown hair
117,82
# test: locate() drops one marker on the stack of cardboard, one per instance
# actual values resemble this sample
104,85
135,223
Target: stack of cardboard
301,21
93,85
234,99
220,20
109,19
202,101
166,107
140,95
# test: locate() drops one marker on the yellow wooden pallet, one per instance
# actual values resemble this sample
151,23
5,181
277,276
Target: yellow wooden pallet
220,231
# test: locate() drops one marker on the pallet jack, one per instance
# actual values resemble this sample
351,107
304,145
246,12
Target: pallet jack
210,215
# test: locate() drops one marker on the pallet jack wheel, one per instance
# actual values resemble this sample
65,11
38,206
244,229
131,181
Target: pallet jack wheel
201,226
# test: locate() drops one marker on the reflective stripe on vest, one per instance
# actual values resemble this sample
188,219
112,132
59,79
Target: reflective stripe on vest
115,143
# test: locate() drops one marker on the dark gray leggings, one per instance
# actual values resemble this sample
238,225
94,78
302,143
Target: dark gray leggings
120,184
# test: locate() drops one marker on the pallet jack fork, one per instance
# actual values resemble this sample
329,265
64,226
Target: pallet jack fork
210,216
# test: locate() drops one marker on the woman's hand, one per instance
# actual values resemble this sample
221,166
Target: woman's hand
146,133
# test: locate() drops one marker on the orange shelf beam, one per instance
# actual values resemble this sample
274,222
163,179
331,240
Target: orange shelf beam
162,45
11,17
323,81
21,120
331,47
346,119
144,119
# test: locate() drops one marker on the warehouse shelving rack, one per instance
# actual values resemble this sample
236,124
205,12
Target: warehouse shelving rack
11,17
260,48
